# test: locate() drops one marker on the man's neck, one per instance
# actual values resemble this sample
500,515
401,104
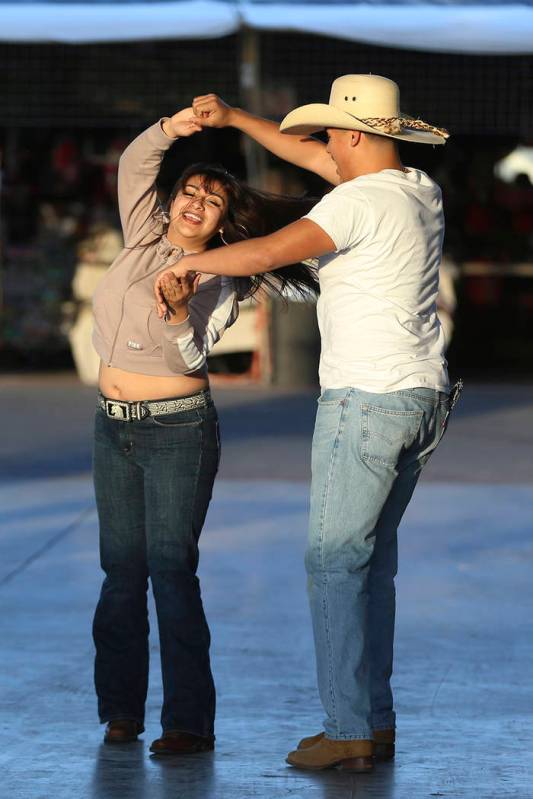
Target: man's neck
373,154
378,165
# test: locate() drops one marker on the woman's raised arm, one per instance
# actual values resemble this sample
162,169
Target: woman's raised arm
138,169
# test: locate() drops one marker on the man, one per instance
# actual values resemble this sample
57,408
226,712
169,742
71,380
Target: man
384,401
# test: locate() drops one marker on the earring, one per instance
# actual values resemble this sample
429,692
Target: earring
221,231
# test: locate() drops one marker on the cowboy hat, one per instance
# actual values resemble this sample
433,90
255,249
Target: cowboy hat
368,103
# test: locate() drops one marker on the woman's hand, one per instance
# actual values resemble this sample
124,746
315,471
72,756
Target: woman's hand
212,112
173,293
183,123
180,271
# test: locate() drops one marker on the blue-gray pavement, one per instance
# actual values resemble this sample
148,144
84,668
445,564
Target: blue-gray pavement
464,652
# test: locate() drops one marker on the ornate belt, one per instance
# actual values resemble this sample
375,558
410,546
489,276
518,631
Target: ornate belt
123,411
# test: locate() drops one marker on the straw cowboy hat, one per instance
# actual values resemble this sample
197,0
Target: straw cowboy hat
368,103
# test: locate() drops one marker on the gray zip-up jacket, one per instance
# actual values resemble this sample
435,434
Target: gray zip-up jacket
128,333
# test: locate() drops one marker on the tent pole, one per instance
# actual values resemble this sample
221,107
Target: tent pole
250,96
256,168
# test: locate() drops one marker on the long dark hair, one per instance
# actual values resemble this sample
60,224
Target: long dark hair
252,213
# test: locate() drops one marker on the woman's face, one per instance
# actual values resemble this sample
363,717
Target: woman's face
197,212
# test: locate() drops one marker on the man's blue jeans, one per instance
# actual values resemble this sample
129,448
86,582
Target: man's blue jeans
153,481
368,451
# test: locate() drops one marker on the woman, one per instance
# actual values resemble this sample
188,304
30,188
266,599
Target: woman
156,436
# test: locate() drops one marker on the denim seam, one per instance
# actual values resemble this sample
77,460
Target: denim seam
439,396
179,728
198,472
389,412
219,444
121,717
343,403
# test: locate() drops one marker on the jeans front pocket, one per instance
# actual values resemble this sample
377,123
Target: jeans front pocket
178,419
386,433
333,397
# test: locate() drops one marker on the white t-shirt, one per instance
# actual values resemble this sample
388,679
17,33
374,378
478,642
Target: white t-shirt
376,311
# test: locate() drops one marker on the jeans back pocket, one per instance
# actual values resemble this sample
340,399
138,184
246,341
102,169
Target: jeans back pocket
386,433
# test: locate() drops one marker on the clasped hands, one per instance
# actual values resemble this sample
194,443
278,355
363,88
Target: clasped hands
173,289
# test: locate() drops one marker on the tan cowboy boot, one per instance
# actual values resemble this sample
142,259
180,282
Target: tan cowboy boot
305,743
384,748
354,756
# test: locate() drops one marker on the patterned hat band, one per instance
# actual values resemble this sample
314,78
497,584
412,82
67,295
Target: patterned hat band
393,126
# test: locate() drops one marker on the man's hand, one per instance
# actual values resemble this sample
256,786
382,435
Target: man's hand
183,123
212,112
303,151
173,293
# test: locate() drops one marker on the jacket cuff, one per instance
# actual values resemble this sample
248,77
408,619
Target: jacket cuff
157,136
174,332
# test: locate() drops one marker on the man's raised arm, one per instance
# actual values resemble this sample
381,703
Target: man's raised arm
302,151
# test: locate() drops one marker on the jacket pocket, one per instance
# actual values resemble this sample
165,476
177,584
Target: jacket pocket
140,330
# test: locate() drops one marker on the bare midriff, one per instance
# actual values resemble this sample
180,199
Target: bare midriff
121,385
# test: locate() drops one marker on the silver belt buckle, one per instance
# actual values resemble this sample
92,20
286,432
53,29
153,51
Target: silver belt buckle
116,409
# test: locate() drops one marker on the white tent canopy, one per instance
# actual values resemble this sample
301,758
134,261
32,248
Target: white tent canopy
452,27
83,23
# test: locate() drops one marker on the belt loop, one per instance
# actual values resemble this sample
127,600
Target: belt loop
142,411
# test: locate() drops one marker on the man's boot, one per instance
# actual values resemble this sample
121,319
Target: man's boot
384,743
354,755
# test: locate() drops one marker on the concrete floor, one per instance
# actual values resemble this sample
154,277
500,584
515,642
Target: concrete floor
464,644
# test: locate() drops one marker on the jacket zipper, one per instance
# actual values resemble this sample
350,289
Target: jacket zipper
133,283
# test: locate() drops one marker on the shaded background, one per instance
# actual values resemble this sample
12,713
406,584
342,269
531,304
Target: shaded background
68,110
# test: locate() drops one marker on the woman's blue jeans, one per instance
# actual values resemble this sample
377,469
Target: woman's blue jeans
153,481
368,451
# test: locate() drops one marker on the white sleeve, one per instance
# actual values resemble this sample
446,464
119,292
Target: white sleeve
211,311
343,215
